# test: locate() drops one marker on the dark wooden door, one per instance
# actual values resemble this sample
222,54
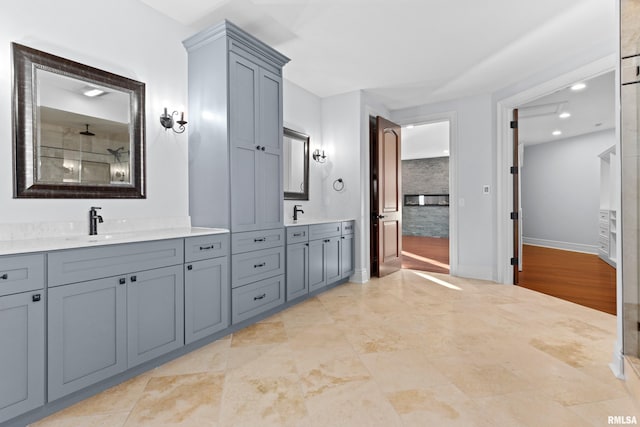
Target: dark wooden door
386,207
515,173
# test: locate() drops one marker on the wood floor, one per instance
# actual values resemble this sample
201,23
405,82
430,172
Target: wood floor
425,253
577,277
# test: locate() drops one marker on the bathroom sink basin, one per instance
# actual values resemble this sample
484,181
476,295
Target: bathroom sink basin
96,238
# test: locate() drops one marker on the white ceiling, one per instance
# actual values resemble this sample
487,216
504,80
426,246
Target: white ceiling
425,141
592,109
411,52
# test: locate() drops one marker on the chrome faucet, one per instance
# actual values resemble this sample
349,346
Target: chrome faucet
297,209
94,219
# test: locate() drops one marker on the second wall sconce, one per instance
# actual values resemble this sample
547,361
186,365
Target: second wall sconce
320,158
166,120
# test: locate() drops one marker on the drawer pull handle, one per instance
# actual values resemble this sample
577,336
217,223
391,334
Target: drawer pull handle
297,234
262,264
342,237
206,248
122,280
36,297
5,276
261,239
259,297
134,278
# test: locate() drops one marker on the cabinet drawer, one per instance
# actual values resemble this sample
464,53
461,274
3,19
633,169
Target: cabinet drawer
21,273
257,265
205,247
348,227
604,216
297,234
320,231
78,265
251,300
256,240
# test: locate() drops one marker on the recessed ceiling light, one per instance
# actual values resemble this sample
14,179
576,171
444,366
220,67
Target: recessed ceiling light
445,151
92,92
556,132
565,115
598,124
409,126
578,86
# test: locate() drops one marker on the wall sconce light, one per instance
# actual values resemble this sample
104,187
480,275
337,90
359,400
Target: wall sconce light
166,120
320,158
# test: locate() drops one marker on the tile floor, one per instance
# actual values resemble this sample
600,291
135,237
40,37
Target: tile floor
412,349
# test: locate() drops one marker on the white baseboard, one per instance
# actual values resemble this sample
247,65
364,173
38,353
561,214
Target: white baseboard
360,276
474,272
566,246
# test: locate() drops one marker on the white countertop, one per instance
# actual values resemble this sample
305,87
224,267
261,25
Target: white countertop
11,247
304,221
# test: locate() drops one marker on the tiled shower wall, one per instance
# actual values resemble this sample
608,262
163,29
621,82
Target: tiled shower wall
425,176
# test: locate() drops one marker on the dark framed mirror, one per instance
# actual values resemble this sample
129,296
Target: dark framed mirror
295,149
78,131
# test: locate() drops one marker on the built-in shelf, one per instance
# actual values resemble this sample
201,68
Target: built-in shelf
426,200
607,249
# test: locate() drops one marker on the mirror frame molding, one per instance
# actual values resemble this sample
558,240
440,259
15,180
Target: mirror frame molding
25,61
305,138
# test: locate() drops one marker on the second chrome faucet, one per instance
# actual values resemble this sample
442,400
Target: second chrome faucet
296,210
94,219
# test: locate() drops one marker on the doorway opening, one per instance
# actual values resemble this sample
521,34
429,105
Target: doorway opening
426,196
566,215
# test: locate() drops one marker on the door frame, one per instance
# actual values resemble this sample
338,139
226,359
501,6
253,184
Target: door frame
504,154
451,117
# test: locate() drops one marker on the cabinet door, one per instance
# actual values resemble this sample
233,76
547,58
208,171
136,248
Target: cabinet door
271,192
87,334
21,353
332,254
155,313
206,293
297,270
245,147
347,256
317,261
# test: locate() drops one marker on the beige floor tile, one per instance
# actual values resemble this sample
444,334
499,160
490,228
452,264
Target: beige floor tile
260,333
318,377
402,370
261,361
192,400
355,403
263,401
210,358
115,419
598,413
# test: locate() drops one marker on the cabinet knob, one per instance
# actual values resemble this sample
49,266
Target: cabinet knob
327,240
134,278
257,147
36,297
189,267
5,276
262,148
122,281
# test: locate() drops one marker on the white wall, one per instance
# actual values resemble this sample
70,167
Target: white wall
124,37
474,158
302,112
561,191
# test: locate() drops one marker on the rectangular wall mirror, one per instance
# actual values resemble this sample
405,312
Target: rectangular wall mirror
296,165
78,131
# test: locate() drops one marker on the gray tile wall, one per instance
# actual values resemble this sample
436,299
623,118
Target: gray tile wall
425,176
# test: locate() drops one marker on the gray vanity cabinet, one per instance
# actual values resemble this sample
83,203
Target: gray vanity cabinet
22,353
255,103
106,316
347,250
155,313
206,286
297,270
87,334
324,262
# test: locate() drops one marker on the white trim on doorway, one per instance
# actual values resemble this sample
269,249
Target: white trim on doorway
451,117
